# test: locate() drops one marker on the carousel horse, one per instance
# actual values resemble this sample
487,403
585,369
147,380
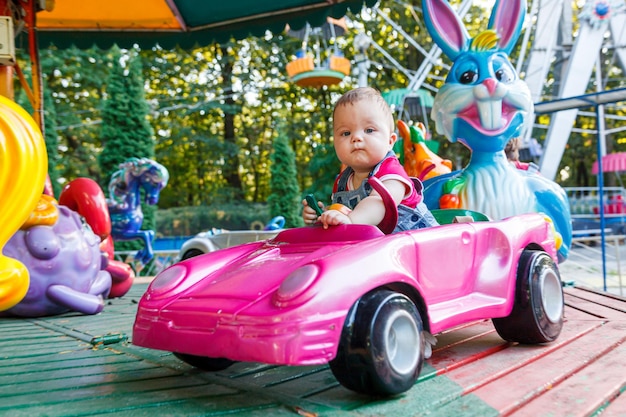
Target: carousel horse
484,104
136,175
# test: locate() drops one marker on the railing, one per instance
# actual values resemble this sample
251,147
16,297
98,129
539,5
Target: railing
586,257
585,202
162,259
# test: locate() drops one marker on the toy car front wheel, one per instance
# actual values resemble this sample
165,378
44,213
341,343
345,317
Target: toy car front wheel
205,363
381,351
192,253
537,315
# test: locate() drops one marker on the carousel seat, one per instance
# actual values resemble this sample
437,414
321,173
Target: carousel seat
303,72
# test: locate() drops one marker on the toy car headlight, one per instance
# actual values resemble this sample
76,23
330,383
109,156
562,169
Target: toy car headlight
296,284
168,279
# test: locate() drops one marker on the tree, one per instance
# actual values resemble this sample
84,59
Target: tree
125,131
50,134
75,80
213,109
52,141
285,198
231,165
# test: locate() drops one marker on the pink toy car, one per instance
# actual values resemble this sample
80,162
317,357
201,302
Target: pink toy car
355,298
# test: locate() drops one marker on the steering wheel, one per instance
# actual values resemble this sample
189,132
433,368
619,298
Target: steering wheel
276,223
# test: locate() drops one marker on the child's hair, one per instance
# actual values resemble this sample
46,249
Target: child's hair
366,93
512,149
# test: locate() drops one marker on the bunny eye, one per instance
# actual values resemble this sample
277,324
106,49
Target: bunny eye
504,75
502,69
468,77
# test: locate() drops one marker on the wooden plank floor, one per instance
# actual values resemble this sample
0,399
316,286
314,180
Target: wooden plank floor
59,366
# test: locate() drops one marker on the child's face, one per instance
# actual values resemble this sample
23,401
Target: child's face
362,134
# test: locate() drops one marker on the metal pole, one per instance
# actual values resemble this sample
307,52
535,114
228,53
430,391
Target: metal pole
361,43
600,151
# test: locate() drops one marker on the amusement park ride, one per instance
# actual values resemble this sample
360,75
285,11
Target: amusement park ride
371,305
320,62
374,329
602,27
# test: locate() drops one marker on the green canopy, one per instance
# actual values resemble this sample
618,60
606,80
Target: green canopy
187,23
396,97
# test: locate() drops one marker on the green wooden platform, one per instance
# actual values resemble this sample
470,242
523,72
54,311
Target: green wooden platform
74,365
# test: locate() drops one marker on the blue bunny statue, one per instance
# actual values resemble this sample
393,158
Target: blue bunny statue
483,105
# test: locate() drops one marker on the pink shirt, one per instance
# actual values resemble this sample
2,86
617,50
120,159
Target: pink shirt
391,169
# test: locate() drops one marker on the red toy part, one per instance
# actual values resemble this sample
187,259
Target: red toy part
449,201
85,196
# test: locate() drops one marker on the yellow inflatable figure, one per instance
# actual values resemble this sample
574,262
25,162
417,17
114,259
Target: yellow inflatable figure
23,169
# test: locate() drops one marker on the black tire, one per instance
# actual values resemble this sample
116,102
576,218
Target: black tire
192,253
205,363
537,315
381,350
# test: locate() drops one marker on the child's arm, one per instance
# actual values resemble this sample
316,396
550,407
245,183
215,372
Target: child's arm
370,210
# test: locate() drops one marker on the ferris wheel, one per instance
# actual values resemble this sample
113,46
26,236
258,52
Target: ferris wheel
585,58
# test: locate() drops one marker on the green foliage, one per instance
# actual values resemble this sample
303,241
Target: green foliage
188,221
210,114
285,199
50,132
75,80
323,170
52,141
125,131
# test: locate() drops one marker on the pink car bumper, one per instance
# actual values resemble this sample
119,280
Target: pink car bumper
305,342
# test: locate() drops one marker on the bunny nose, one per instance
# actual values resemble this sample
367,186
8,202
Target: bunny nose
491,85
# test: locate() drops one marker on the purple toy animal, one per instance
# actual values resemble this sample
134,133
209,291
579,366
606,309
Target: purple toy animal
65,266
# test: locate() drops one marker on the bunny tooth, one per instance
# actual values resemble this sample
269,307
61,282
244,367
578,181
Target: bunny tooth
490,113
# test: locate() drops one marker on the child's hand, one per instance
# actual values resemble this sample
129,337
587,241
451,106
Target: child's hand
309,215
334,218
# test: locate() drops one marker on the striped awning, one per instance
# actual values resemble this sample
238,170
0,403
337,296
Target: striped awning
613,162
186,23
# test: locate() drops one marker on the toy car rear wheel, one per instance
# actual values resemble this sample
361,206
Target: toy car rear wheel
192,253
381,351
205,363
537,315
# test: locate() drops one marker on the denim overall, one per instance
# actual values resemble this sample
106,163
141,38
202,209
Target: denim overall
408,218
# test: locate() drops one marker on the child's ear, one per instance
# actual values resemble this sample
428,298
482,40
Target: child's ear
393,138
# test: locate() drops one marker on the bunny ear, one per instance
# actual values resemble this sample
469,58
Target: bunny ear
506,19
445,27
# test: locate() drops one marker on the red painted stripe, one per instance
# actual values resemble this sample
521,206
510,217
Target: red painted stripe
541,372
587,390
616,407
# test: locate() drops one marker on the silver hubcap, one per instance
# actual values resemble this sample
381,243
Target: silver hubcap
551,296
402,342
